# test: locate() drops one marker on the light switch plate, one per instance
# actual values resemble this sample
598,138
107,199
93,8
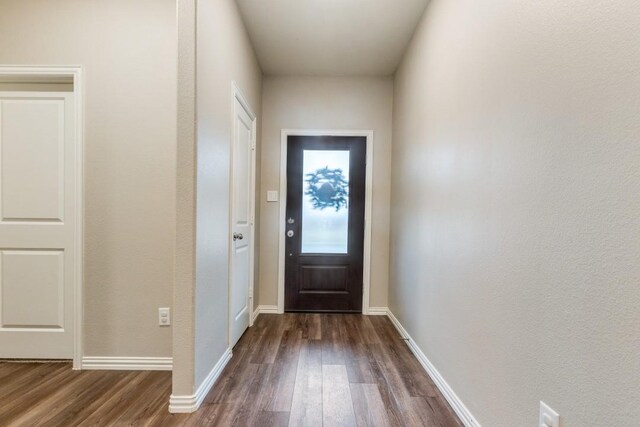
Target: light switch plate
272,196
548,417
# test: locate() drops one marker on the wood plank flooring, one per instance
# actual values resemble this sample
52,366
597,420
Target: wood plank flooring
287,370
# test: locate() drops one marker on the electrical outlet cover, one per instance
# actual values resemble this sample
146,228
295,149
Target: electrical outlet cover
164,316
548,417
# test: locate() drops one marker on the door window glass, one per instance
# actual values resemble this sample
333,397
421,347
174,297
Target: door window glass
325,201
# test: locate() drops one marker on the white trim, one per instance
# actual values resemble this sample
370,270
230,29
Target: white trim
268,309
265,309
282,218
75,73
378,311
128,363
366,273
237,95
460,409
188,404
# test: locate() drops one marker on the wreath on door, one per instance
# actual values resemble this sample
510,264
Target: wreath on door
327,188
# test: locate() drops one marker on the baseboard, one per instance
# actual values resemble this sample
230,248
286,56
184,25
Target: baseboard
188,404
378,311
460,409
268,309
128,363
264,309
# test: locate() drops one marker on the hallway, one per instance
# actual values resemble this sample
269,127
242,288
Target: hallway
324,369
291,369
178,177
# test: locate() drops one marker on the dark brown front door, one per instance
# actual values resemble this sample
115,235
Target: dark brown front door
325,223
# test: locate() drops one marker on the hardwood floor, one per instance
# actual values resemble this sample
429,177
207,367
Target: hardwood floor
292,369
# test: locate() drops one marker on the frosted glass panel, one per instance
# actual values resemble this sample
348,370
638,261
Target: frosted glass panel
325,201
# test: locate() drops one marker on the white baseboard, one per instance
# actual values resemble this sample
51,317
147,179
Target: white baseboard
264,309
378,311
188,404
267,309
127,363
460,409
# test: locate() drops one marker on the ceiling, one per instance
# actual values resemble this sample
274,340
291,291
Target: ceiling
330,37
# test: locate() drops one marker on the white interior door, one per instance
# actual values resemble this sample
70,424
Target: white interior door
37,225
242,221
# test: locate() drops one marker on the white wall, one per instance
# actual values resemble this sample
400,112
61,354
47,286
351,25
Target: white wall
515,208
128,51
224,54
346,103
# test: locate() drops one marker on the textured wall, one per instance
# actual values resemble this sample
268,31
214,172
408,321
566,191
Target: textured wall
515,208
184,284
348,103
224,54
128,52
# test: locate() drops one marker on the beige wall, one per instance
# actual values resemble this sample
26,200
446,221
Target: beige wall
224,54
128,51
515,209
326,103
185,260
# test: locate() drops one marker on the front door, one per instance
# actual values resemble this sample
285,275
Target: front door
38,240
241,221
325,223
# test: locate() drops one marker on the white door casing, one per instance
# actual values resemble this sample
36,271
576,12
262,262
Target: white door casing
242,217
366,276
38,225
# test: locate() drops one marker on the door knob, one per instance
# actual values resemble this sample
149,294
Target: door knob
290,233
237,236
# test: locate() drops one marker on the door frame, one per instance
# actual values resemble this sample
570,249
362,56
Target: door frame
366,265
237,95
73,73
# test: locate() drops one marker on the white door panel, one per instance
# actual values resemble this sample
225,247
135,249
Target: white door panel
32,288
242,222
37,225
32,159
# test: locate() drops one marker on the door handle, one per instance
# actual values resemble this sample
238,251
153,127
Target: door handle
237,236
290,233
